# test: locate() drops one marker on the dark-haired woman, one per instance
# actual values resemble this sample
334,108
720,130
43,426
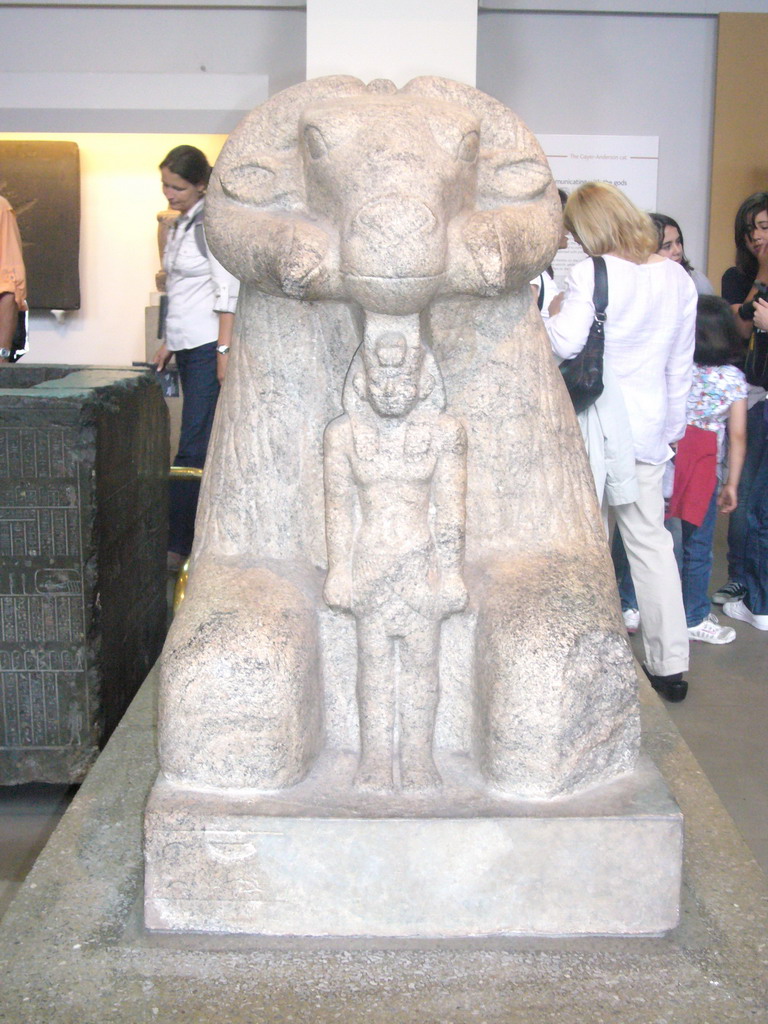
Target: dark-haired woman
198,330
740,283
752,605
740,286
672,246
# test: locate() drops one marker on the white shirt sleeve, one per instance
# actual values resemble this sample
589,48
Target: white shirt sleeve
679,371
568,330
226,287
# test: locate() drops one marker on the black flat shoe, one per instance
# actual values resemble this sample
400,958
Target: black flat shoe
672,688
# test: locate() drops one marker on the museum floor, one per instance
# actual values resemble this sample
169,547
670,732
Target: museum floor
723,721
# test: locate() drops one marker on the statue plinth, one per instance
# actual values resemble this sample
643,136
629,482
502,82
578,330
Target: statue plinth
322,859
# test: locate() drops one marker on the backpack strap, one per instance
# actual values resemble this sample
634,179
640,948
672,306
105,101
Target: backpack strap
200,235
196,225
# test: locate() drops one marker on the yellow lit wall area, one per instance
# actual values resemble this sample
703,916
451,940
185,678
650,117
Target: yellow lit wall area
120,199
739,151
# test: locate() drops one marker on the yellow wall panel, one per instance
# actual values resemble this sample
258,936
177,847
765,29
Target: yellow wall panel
740,137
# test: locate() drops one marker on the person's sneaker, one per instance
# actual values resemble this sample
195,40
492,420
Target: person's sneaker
631,618
738,610
672,688
709,631
730,591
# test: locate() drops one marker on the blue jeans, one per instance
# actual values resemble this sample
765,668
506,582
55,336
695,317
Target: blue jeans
747,526
697,565
755,550
200,389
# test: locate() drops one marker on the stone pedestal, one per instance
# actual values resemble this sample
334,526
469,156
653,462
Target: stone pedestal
320,859
83,527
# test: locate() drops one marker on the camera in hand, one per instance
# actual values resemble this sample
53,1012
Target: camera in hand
747,309
756,361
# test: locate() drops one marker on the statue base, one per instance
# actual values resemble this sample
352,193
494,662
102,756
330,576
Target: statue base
312,862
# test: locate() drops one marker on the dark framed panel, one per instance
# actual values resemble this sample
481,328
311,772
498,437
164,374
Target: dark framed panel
41,181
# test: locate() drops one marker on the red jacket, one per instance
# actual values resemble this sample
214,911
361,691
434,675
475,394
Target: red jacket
695,475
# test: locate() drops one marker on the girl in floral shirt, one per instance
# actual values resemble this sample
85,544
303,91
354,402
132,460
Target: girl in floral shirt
717,400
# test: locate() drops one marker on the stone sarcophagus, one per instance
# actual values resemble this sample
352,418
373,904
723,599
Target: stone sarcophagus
83,513
401,630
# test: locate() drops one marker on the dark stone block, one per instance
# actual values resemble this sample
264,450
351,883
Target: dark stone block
83,536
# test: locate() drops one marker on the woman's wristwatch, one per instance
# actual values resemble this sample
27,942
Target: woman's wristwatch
222,349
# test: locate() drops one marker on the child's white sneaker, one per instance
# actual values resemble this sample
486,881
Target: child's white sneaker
709,631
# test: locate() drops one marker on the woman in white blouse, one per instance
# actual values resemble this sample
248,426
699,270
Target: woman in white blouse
649,342
198,328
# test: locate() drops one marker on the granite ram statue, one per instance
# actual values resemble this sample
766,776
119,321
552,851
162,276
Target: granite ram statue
409,223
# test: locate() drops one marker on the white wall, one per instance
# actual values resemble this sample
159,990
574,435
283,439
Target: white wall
211,45
607,74
394,39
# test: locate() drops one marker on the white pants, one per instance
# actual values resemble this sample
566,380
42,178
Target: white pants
655,574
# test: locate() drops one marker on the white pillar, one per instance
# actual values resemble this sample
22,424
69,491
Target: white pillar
395,39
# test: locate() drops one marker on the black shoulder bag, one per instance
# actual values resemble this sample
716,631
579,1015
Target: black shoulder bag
583,375
756,364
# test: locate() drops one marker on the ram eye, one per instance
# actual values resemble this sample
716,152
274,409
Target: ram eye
315,143
469,147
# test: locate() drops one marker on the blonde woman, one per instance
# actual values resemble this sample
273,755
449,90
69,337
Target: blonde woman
649,343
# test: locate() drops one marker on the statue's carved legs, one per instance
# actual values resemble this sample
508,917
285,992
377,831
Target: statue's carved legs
240,698
397,679
376,700
418,696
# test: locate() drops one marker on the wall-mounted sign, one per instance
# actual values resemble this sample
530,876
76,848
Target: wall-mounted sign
628,161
